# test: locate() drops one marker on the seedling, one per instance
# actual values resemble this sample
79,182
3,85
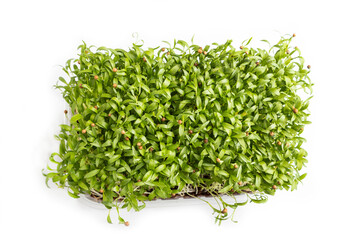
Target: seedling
218,137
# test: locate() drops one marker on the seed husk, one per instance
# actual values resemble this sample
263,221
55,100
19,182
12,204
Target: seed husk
272,133
206,140
196,64
163,119
294,35
178,148
101,191
139,144
168,53
235,166
274,187
83,131
127,139
151,149
96,107
224,210
205,53
295,110
127,223
144,59
308,66
218,160
241,47
279,143
109,114
123,132
191,132
93,124
114,69
65,111
257,63
200,51
163,49
114,85
179,121
141,147
96,77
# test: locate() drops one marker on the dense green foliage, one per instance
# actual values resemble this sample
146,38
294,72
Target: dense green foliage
154,123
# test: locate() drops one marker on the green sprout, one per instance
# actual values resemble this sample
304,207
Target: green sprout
182,120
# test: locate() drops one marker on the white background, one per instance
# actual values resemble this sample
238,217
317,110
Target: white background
37,36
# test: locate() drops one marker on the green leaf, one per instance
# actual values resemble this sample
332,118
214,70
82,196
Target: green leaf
244,158
73,195
302,176
260,70
92,173
225,189
259,200
109,218
75,118
174,69
193,139
147,176
223,173
83,185
247,43
160,168
114,158
181,130
238,173
257,180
